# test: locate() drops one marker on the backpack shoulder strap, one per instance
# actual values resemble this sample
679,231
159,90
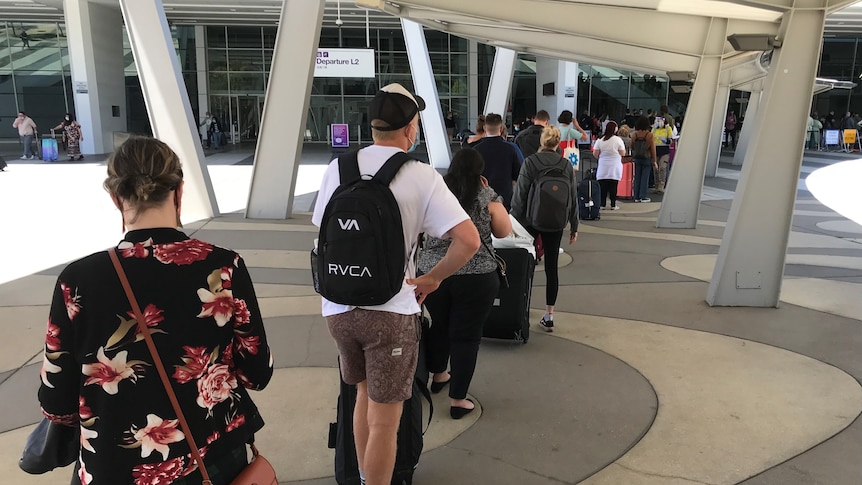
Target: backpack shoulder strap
348,167
389,169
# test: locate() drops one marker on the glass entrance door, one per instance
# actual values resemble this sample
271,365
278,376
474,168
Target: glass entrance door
245,124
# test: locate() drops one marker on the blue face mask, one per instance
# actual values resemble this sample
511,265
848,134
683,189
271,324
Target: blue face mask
415,143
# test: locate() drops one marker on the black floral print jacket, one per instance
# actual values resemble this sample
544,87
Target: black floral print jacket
97,373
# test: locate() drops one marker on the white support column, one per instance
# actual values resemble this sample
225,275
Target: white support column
167,101
472,114
750,264
95,32
681,203
722,98
751,113
436,140
279,143
201,67
501,81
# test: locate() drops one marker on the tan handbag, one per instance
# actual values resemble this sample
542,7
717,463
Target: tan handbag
259,471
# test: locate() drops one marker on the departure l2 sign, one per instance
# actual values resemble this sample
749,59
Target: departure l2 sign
344,63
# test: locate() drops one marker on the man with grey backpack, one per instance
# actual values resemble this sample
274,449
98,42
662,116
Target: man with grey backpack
544,202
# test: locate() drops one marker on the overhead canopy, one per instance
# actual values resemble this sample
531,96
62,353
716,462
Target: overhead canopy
651,36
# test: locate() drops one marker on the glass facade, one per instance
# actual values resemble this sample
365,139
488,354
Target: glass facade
841,59
35,77
34,74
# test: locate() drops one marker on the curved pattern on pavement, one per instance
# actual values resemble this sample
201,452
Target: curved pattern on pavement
829,296
728,408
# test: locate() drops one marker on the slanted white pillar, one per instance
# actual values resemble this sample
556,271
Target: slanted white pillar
168,101
751,112
750,264
472,114
279,143
681,203
95,34
722,97
436,139
502,74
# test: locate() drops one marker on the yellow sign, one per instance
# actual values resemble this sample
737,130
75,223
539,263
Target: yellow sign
850,136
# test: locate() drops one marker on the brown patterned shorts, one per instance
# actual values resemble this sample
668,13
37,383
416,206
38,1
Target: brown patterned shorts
380,347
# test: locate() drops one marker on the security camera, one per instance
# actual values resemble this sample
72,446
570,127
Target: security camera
339,22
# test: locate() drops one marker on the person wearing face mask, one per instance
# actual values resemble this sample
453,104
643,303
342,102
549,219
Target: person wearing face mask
72,136
378,346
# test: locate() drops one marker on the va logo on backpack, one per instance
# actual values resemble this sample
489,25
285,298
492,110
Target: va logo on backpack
348,224
360,258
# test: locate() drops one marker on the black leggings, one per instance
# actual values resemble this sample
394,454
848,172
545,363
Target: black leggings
609,188
551,244
458,311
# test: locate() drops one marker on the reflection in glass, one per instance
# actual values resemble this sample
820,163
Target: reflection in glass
239,37
216,36
323,111
242,83
245,59
217,59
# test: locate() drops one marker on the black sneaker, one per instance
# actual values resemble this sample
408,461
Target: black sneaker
547,325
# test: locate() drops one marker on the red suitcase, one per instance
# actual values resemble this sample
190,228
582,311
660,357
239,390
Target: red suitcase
624,188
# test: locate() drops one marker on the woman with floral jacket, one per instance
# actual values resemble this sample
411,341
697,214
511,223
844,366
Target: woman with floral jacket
200,306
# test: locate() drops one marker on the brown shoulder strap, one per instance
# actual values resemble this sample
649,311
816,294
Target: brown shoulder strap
157,361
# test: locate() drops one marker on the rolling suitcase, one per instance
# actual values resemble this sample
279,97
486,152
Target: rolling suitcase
510,314
410,431
589,198
49,149
625,189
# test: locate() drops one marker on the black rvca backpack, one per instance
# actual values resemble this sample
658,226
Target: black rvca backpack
360,256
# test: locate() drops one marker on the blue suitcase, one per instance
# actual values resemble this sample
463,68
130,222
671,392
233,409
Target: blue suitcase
49,150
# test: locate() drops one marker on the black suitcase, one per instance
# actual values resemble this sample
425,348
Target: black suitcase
589,191
510,314
410,431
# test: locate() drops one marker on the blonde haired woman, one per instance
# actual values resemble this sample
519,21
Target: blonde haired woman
547,158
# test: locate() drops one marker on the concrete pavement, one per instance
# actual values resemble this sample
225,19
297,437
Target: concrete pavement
641,383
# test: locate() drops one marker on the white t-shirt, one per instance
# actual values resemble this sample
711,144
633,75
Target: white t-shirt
610,160
426,203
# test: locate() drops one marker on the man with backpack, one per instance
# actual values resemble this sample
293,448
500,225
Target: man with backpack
529,139
372,206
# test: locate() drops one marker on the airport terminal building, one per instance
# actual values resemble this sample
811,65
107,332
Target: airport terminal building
225,53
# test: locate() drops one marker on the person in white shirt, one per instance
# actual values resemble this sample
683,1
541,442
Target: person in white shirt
383,341
609,150
27,131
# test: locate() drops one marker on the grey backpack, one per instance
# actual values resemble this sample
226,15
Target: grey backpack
549,201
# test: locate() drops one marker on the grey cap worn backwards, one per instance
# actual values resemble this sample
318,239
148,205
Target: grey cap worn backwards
394,105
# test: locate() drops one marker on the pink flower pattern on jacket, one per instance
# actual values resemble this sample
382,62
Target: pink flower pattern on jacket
215,386
217,305
183,252
109,372
211,360
135,250
52,337
152,315
157,435
73,307
158,473
196,360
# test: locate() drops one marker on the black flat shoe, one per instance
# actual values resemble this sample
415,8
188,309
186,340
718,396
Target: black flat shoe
439,386
458,413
